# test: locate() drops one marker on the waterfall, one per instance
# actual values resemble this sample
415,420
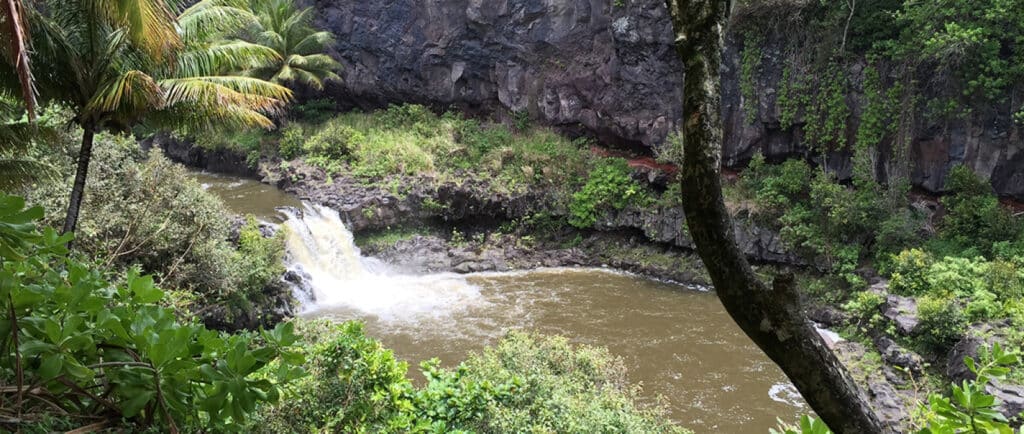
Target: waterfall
339,278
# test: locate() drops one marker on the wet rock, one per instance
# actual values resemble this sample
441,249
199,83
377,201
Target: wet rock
894,354
828,316
890,403
978,336
902,311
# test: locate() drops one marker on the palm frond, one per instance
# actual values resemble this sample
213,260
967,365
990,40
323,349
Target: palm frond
15,30
308,78
221,90
313,43
224,58
272,39
150,24
133,92
190,119
16,172
208,18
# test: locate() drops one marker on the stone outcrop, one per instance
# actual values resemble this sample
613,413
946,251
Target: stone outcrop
608,68
185,152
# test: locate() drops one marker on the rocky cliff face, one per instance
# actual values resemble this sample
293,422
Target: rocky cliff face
607,68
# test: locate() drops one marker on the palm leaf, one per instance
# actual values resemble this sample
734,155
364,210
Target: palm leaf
224,58
15,30
313,43
133,93
16,172
150,23
208,18
189,119
225,90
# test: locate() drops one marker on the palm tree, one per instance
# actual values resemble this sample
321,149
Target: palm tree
119,63
289,32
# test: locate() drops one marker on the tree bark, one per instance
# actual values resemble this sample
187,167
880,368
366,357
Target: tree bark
770,316
78,189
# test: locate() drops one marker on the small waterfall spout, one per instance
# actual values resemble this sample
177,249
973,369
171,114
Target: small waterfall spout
321,249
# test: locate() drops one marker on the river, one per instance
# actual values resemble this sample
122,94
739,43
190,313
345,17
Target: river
678,342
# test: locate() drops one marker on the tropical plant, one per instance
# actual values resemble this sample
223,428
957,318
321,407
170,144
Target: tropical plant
300,47
971,409
116,64
87,350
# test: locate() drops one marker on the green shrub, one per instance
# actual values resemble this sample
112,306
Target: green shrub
524,384
542,384
91,347
1007,278
609,186
974,217
864,307
962,277
315,110
782,185
908,273
406,116
899,231
292,140
146,211
335,141
354,385
942,321
259,263
480,139
983,306
392,152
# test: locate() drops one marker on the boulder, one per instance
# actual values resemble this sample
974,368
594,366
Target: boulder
902,311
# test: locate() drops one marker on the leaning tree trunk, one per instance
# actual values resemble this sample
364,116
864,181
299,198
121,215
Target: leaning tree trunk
78,189
770,316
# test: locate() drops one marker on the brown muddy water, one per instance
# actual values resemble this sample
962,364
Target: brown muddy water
677,341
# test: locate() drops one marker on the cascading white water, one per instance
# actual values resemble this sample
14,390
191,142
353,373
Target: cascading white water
319,245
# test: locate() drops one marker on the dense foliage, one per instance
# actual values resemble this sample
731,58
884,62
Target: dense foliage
154,215
823,219
524,384
85,350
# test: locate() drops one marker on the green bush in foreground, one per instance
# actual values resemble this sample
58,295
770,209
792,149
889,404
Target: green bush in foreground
82,347
524,384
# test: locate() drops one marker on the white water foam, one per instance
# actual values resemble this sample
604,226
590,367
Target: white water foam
319,245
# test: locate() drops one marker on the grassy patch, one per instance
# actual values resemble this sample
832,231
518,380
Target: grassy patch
412,140
379,240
